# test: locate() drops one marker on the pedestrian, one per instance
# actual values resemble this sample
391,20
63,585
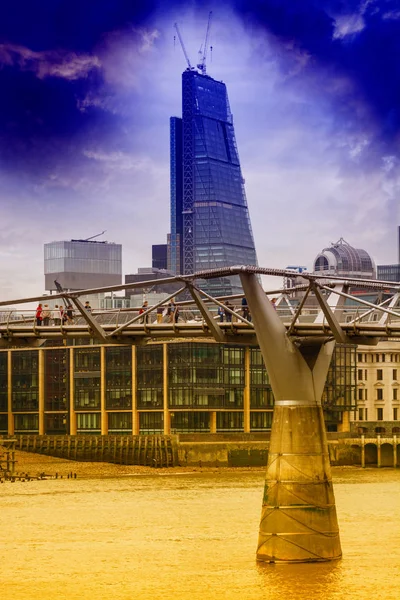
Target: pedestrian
245,308
56,315
176,314
228,315
88,307
273,302
145,318
221,313
70,315
38,314
170,311
46,314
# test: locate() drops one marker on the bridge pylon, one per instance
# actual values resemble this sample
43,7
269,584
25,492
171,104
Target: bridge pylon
298,520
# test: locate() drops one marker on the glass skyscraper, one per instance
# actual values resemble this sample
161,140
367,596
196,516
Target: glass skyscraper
210,224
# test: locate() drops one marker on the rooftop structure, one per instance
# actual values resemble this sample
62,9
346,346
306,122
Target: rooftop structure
341,259
80,264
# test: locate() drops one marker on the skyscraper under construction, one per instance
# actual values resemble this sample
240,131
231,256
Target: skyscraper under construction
210,223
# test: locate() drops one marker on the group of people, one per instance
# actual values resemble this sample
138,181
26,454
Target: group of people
170,312
54,316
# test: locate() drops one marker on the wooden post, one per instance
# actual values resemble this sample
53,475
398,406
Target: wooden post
363,451
379,459
213,421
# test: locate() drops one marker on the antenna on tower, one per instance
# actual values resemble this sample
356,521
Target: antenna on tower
183,46
203,49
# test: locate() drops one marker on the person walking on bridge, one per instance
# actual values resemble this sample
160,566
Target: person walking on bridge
46,314
38,315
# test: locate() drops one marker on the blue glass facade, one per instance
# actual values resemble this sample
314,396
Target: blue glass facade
214,219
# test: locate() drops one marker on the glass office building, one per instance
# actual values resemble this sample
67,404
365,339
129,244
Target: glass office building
82,264
210,223
170,387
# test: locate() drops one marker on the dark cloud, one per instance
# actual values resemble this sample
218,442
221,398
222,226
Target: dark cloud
357,40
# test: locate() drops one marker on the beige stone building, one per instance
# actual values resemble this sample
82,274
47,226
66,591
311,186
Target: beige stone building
378,393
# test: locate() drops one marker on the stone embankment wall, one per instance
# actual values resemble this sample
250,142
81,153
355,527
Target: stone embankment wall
218,450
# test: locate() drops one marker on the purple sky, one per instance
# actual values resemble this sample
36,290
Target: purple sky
86,98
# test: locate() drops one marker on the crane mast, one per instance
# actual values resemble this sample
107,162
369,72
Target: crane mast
182,46
203,55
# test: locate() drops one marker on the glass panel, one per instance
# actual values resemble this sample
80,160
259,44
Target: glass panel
25,381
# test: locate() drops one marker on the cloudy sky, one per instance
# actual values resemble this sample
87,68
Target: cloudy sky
88,86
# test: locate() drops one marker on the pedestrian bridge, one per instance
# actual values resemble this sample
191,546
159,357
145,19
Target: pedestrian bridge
319,308
296,335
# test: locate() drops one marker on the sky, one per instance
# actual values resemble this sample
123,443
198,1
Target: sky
88,86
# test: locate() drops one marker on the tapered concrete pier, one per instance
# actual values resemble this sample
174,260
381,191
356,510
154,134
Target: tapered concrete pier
298,520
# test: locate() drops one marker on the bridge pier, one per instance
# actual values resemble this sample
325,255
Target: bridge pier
298,521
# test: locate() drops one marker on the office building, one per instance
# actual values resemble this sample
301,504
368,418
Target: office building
82,264
170,387
210,223
159,256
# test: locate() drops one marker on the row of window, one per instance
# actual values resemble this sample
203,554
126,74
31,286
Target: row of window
153,422
362,374
363,394
363,414
368,357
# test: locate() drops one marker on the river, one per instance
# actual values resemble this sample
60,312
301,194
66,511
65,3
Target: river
188,536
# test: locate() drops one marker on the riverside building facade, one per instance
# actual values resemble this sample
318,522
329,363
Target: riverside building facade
210,223
171,387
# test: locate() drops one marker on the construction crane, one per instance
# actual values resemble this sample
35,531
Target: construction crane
183,46
95,236
203,50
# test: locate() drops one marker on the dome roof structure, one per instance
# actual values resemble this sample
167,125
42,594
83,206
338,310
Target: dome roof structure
343,260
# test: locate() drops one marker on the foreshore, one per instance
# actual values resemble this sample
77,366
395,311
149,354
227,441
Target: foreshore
34,464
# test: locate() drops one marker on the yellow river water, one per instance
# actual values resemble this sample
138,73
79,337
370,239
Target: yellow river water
187,536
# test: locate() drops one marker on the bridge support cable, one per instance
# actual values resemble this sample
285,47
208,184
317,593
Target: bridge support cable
298,311
226,308
298,522
97,329
146,312
392,304
215,329
360,301
369,312
327,312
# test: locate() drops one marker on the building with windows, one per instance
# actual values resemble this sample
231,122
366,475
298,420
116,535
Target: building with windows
171,387
341,259
389,272
82,264
210,223
378,389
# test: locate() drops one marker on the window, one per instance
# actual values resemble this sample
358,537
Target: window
360,374
379,374
361,414
379,394
366,414
379,414
394,374
359,357
395,394
395,414
360,394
